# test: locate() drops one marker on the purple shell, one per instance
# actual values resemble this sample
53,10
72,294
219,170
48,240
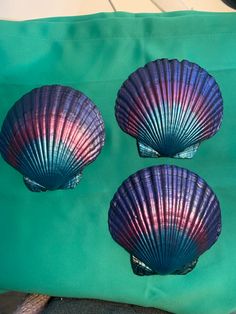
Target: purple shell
165,217
170,107
50,135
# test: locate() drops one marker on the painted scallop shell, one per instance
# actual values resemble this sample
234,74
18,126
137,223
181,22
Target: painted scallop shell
165,217
170,107
50,135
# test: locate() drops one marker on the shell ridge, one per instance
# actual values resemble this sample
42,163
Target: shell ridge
204,112
207,218
195,102
35,140
156,187
181,94
141,218
124,215
27,160
17,132
69,113
71,126
39,136
197,232
194,129
164,215
58,96
156,219
85,132
182,115
182,186
177,96
82,136
179,186
121,114
172,206
63,132
44,129
207,120
174,93
149,109
170,216
35,134
6,139
133,123
129,241
90,152
148,226
45,125
39,114
186,99
186,242
160,94
74,135
138,223
159,100
183,222
74,98
169,98
51,127
137,98
185,72
190,190
169,106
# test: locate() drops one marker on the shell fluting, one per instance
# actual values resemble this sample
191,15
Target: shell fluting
50,135
170,107
165,217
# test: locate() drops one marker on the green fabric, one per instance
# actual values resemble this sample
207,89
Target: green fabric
58,242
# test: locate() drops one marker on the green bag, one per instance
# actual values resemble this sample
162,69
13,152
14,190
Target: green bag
58,242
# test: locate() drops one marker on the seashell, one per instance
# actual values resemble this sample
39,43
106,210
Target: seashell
165,217
50,135
170,107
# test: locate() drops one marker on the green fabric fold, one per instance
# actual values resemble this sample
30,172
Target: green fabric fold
58,243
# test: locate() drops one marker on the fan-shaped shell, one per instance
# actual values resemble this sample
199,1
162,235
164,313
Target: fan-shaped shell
165,217
170,107
50,135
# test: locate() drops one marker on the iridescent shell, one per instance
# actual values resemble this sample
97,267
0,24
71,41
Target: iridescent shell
170,107
165,217
50,135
